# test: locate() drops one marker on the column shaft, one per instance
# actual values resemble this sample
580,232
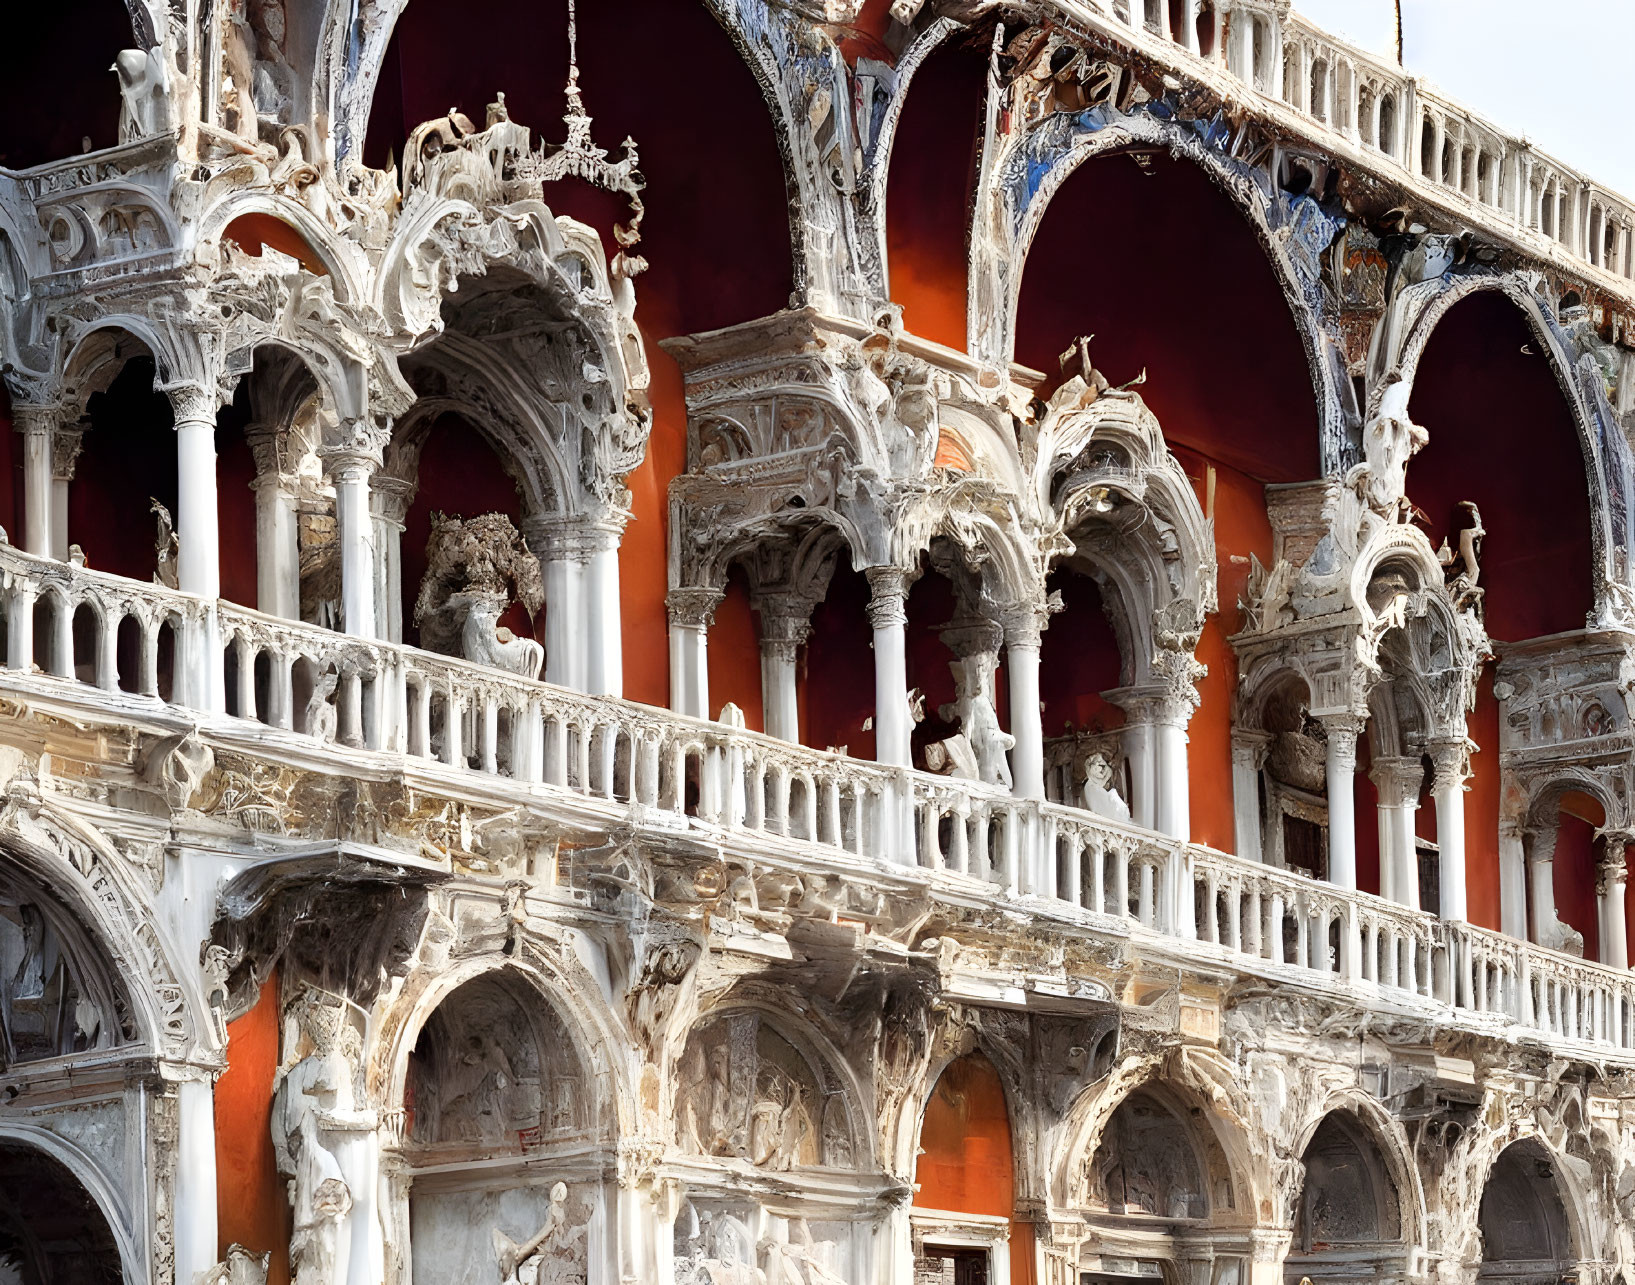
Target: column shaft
278,558
888,616
1027,723
1610,887
1138,753
564,610
1248,753
1341,767
1173,815
605,645
197,530
356,534
778,694
195,1179
691,611
1512,881
1448,789
35,425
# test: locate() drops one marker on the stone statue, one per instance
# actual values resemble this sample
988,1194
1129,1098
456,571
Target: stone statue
1100,796
320,712
1461,567
143,109
240,1267
166,546
973,707
474,570
792,1257
217,967
551,1256
313,1101
1389,442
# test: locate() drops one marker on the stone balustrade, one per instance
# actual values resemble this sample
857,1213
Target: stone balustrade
1373,108
227,665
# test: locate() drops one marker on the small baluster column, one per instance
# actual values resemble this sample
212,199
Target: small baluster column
1611,884
691,612
37,425
1451,761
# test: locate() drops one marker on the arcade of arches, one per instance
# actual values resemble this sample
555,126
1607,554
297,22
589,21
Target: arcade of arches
880,641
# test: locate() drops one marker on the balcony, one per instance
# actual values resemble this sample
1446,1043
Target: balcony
95,647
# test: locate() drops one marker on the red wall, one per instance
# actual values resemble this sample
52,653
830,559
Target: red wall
251,1209
58,89
735,654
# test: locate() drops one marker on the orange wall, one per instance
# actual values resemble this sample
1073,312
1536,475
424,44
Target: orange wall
966,1162
735,655
251,1208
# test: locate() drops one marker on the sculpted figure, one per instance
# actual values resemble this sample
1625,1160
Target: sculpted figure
320,711
142,108
313,1101
551,1256
474,570
1100,796
1389,443
167,548
973,706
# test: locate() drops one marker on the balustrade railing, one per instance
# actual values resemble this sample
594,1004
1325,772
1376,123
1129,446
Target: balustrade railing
1372,102
229,665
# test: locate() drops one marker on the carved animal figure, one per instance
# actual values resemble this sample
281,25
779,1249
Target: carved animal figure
1099,795
167,548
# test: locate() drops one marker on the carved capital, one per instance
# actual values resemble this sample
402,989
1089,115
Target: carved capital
390,497
1450,761
888,597
1025,624
66,441
1398,781
693,608
191,402
359,444
35,418
786,619
1250,747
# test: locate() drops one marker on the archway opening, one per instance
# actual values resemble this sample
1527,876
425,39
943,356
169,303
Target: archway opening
928,192
966,1163
1183,250
51,1229
1523,1222
837,697
1487,394
1348,1223
711,195
62,55
495,1086
1079,661
127,460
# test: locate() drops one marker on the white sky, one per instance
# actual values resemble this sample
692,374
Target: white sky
1554,70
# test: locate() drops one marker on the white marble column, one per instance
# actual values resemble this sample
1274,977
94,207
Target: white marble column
1172,813
1138,754
355,531
36,425
692,612
786,624
277,538
1398,781
65,448
1248,757
1340,779
389,501
1611,884
195,1200
888,618
1451,761
197,513
604,636
1512,879
1542,872
1022,641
